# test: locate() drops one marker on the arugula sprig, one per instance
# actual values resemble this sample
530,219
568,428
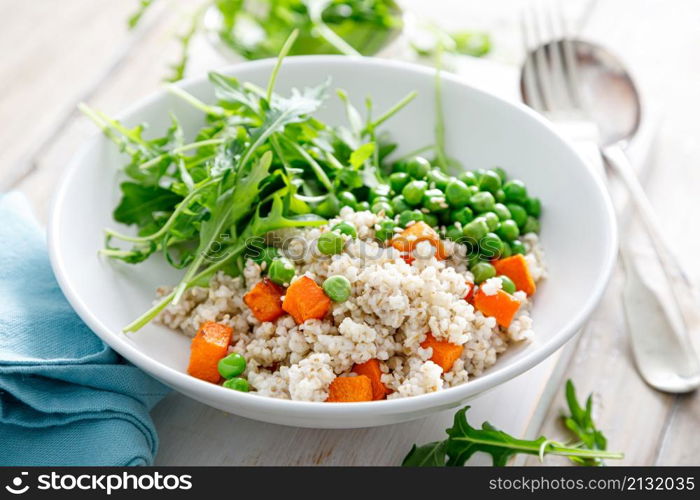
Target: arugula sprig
464,441
262,162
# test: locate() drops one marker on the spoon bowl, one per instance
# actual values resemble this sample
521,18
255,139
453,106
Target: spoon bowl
573,80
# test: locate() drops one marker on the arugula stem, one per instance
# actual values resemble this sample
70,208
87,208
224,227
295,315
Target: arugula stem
392,111
106,127
193,101
181,149
318,170
185,40
181,207
440,154
415,152
552,448
154,311
335,162
315,9
288,44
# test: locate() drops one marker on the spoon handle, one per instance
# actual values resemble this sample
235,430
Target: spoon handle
684,292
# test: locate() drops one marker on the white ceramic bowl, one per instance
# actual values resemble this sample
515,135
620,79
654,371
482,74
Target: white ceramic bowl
578,229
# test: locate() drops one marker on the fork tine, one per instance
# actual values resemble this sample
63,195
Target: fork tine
559,73
531,83
542,68
570,60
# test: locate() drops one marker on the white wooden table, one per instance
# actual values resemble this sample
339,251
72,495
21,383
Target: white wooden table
56,56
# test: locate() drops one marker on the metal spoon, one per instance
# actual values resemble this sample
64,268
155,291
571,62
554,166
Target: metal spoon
662,347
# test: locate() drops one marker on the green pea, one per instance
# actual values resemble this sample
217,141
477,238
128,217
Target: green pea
380,199
474,189
501,173
517,213
409,216
383,206
454,233
281,271
509,230
507,284
266,256
362,206
386,230
382,190
413,192
330,243
232,365
482,202
500,196
507,250
329,207
491,246
490,181
515,191
347,199
418,167
345,228
462,215
533,207
517,247
398,180
434,200
502,211
438,178
337,288
237,384
473,259
492,220
399,204
399,166
431,220
476,229
468,178
483,271
532,225
457,193
478,173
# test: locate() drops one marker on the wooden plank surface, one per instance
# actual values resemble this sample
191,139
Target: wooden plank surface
82,51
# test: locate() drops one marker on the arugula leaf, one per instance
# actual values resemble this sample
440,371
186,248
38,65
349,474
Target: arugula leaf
464,441
140,202
361,155
429,455
231,206
229,89
581,424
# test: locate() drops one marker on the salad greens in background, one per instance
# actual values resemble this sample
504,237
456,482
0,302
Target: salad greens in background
463,441
256,29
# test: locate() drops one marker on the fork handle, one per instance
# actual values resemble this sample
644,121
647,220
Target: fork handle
684,293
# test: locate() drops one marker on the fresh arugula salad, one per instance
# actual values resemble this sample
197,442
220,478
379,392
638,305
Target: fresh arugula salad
262,162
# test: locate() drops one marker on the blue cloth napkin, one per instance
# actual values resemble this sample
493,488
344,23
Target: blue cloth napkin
65,397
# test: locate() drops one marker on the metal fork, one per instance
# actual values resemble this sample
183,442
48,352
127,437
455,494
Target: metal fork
551,85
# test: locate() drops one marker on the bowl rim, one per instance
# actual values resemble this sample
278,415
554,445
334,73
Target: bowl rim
444,398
